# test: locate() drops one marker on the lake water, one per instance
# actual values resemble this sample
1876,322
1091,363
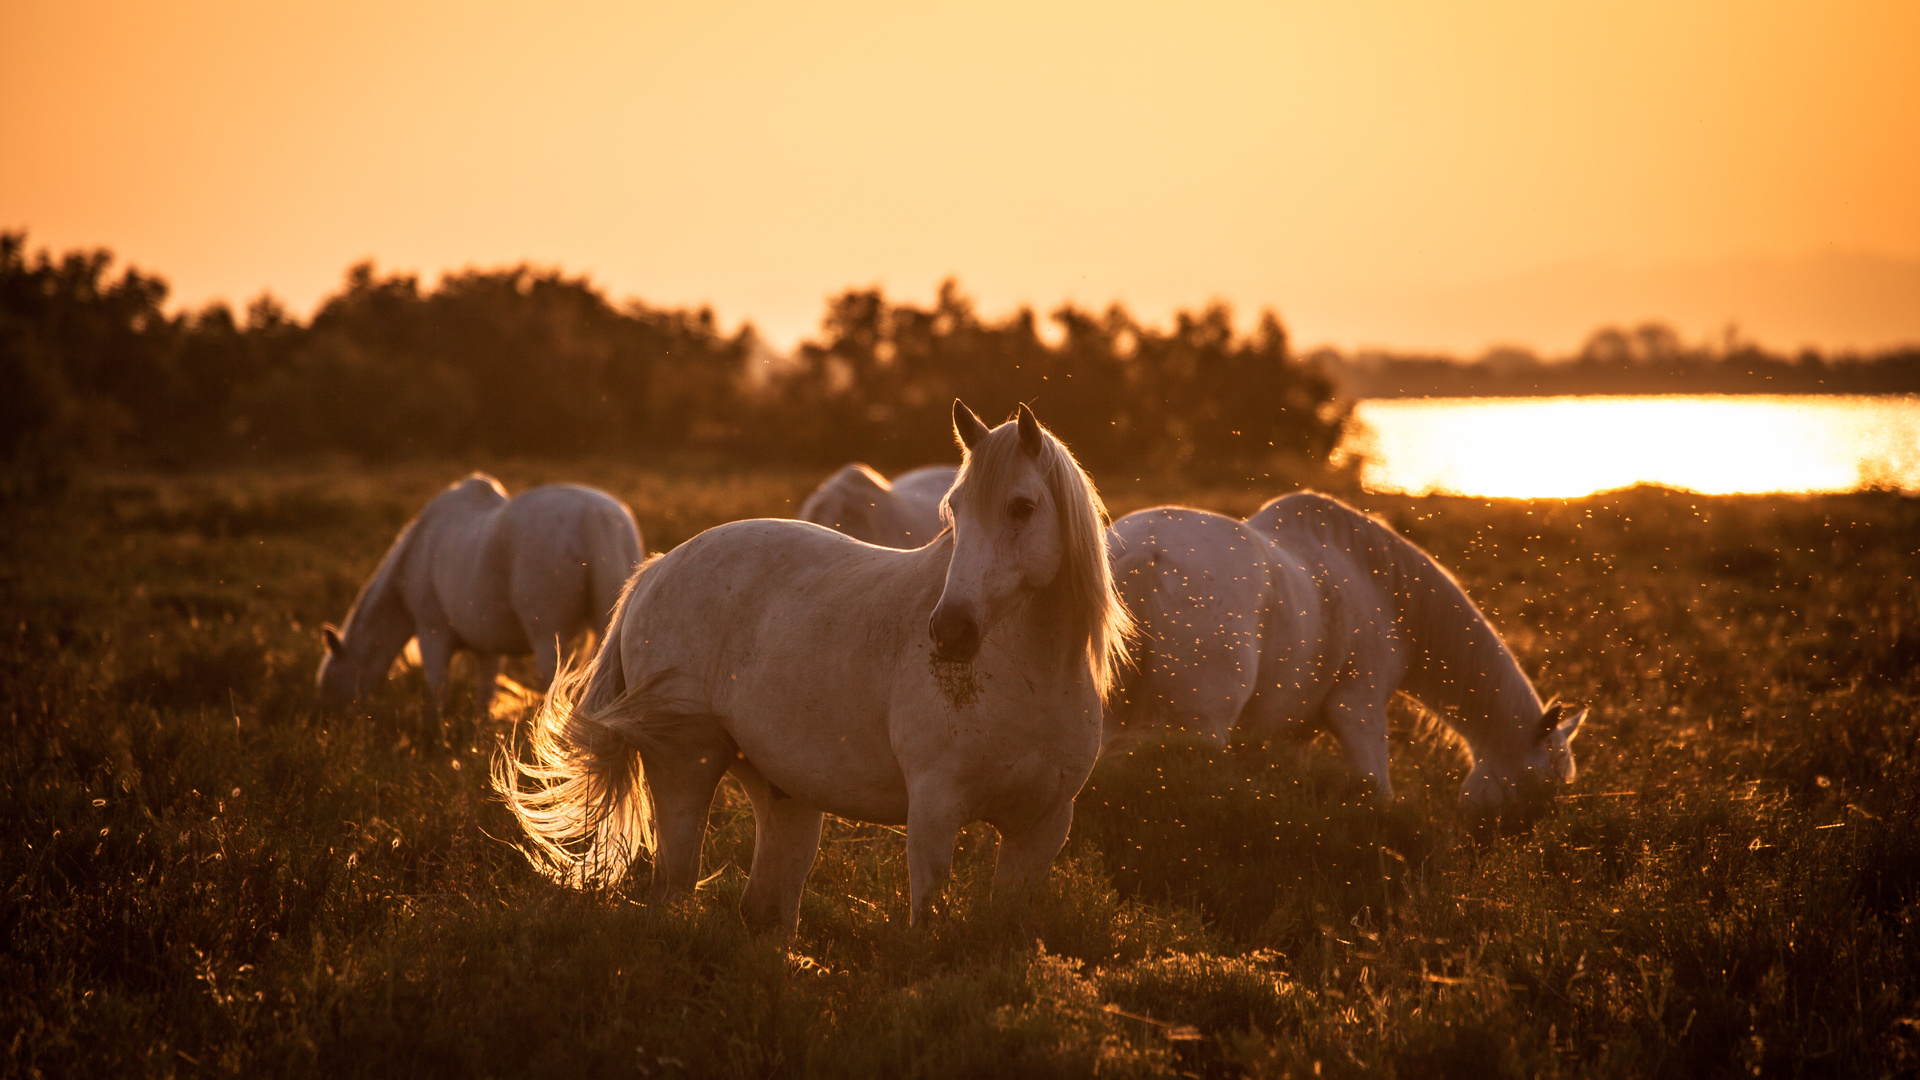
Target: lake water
1566,447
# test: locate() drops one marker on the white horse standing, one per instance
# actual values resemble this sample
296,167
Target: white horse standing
1311,614
903,513
959,681
493,575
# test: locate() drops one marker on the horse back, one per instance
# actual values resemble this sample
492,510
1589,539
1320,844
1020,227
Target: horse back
1336,621
903,513
453,556
1414,626
551,558
856,501
566,551
749,594
917,495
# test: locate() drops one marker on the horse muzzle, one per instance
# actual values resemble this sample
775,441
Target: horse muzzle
955,633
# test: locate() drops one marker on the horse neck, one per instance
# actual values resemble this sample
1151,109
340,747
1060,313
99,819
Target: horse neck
1458,665
378,625
1054,628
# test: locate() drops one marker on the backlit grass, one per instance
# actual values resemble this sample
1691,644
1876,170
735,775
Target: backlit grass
204,873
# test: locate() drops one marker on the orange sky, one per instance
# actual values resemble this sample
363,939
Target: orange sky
1408,174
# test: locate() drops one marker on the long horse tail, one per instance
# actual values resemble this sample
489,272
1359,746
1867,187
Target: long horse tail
579,792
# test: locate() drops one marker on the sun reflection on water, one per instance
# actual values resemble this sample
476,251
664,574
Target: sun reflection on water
1565,447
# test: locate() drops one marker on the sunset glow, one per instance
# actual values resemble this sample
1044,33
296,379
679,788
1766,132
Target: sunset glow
1411,175
1569,447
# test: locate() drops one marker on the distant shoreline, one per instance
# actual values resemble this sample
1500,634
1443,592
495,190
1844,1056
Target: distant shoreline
1520,394
1744,371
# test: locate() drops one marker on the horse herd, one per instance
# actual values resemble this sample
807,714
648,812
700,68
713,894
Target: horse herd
952,646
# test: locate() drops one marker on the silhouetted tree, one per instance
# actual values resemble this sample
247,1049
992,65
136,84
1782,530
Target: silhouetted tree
1198,399
81,354
510,361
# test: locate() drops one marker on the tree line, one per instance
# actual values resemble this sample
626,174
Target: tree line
532,362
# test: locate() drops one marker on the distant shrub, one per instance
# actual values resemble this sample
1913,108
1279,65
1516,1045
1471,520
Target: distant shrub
1197,400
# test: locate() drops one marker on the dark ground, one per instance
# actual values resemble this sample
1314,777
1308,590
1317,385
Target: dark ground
205,874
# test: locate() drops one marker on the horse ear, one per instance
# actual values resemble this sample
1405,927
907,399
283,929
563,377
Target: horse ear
332,637
1555,718
966,426
1570,726
1029,431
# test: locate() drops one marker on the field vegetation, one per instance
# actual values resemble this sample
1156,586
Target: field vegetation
204,873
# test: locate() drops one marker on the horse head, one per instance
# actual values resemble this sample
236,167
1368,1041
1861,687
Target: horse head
1025,520
1512,795
338,681
1007,536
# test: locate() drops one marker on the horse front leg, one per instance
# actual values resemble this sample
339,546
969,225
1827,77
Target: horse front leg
436,657
1027,854
934,818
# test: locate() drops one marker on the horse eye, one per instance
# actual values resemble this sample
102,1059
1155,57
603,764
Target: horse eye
1020,509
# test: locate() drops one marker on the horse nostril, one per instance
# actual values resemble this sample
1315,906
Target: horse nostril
956,636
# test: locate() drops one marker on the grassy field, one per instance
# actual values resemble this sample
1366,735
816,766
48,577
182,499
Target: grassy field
203,873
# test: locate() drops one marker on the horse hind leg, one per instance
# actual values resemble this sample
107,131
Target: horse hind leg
786,839
546,660
684,758
486,676
1359,721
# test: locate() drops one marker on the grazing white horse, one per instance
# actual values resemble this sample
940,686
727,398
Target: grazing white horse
904,513
959,681
494,575
1311,614
1199,586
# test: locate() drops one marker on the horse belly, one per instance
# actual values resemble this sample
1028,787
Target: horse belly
1299,654
1204,665
483,619
790,636
838,760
